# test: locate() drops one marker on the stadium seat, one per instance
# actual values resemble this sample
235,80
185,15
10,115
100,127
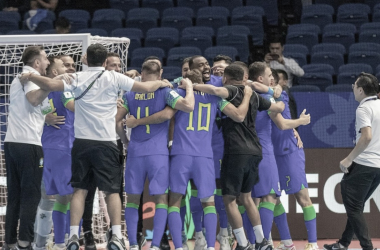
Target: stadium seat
334,4
304,88
251,17
240,42
213,17
318,9
270,9
369,57
355,68
309,39
300,58
332,58
359,47
50,31
164,38
375,26
159,5
317,74
328,47
298,52
338,27
318,14
45,24
142,18
198,36
8,23
124,5
178,11
304,27
377,69
354,13
134,34
369,37
94,32
176,55
211,52
339,88
347,78
229,4
139,55
318,68
21,32
234,30
78,18
194,4
342,37
178,22
376,7
170,73
108,19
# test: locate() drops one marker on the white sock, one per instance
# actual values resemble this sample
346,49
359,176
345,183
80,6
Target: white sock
240,237
287,242
199,234
116,229
258,230
180,248
210,248
73,230
223,231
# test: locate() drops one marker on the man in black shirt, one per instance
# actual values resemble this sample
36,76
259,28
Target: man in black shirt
242,154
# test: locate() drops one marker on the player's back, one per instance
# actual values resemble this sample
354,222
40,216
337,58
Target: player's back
264,128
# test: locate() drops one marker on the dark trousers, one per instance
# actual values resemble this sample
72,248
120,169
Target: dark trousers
24,165
356,187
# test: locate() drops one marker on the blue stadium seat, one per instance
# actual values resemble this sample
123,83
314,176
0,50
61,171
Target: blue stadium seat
142,18
78,18
318,9
229,4
214,17
339,88
176,55
332,58
139,55
309,39
304,27
369,36
124,5
317,74
50,31
135,35
94,32
355,68
160,5
359,47
375,26
179,11
296,51
342,37
319,68
354,13
21,32
178,22
376,7
305,88
164,38
234,30
321,18
371,3
300,58
198,36
240,42
45,24
334,4
377,69
270,8
211,52
108,19
170,72
8,23
369,57
376,16
338,27
347,78
328,47
251,17
194,4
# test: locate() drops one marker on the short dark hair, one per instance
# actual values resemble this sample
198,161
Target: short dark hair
369,83
275,75
52,62
234,72
225,58
191,61
243,65
194,75
256,69
186,60
283,72
30,54
276,39
96,55
62,22
153,58
151,68
113,54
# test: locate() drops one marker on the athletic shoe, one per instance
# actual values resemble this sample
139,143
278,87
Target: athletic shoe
184,241
108,235
134,247
200,243
89,243
310,246
73,243
264,245
247,247
281,246
270,241
224,242
116,244
141,241
154,248
164,244
335,246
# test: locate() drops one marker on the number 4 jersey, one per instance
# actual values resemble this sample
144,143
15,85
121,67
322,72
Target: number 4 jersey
149,139
193,131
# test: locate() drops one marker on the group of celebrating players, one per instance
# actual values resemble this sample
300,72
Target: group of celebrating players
227,130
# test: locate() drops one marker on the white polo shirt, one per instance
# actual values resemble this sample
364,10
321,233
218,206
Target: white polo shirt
25,122
95,112
368,115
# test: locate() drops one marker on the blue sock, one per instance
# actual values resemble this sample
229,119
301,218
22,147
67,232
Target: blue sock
131,216
174,220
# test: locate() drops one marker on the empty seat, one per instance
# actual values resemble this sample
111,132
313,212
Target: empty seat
21,32
270,8
342,37
229,4
142,18
159,5
251,17
211,52
328,47
139,55
300,58
178,22
367,57
334,4
309,39
332,58
296,51
375,26
178,11
8,23
318,9
94,32
317,74
338,27
108,19
304,27
354,13
369,36
171,72
135,35
347,78
321,18
78,18
318,68
200,37
164,38
234,30
214,17
124,5
176,55
355,68
339,88
240,42
305,88
194,4
359,47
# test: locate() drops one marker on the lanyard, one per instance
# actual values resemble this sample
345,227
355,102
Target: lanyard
89,86
354,139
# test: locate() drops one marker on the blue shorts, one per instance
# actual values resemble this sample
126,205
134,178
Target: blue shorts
200,169
155,167
291,171
218,157
57,171
268,178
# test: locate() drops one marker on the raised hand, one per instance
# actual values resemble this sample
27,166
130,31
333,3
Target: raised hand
305,118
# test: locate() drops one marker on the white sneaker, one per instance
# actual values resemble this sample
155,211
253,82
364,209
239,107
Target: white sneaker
56,247
224,242
184,241
281,246
154,248
134,247
311,246
200,242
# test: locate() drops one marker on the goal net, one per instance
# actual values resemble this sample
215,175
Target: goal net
75,45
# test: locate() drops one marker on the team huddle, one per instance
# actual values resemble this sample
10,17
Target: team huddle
230,134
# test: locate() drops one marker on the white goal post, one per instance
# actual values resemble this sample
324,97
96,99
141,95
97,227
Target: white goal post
75,45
